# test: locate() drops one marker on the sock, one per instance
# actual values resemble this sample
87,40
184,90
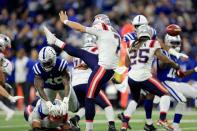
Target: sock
178,112
162,116
148,106
109,113
89,109
164,106
126,119
130,109
149,121
89,125
111,123
81,113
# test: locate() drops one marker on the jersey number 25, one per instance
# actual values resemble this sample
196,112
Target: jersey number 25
140,56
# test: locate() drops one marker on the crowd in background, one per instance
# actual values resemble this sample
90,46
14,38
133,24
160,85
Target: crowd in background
22,20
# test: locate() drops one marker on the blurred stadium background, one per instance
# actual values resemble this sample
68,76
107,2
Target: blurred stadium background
22,20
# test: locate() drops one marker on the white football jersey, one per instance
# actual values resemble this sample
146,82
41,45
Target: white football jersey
6,66
109,45
81,76
141,60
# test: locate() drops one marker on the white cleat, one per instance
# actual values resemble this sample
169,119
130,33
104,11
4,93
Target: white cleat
10,114
51,39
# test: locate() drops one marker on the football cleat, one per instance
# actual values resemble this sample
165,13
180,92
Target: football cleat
74,125
149,127
51,39
112,128
121,117
124,127
165,124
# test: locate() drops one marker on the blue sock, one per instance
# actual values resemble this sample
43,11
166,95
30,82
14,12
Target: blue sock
89,108
162,116
126,119
148,106
177,118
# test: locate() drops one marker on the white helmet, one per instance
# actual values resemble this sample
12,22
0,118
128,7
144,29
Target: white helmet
89,40
173,41
101,18
139,20
144,30
5,42
47,57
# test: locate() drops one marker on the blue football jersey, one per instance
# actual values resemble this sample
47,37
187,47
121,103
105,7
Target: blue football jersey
53,78
167,74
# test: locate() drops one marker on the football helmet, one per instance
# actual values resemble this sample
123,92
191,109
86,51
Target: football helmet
47,57
139,20
173,41
5,42
101,18
144,30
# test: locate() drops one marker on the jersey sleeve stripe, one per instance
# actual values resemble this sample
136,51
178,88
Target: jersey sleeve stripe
94,49
151,43
35,70
38,69
154,43
61,65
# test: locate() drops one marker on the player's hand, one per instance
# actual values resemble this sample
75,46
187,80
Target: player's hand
82,66
63,16
51,39
63,109
13,99
182,55
129,36
180,73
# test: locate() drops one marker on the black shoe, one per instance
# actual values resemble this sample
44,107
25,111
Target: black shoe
149,127
74,125
112,128
121,117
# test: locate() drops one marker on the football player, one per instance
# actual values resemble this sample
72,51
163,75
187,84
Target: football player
6,67
148,105
141,55
80,81
102,66
178,90
51,76
39,118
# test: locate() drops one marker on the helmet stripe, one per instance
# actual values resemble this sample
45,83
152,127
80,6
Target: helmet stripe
139,19
44,53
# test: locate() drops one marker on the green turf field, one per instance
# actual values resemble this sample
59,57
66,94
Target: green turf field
189,121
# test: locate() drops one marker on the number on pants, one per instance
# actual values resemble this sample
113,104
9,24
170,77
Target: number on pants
140,56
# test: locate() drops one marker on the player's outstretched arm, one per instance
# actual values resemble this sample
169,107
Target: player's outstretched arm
66,83
190,72
71,24
127,61
39,85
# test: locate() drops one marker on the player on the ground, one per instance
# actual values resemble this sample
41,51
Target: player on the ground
4,44
141,54
51,76
39,118
102,66
79,82
148,105
178,90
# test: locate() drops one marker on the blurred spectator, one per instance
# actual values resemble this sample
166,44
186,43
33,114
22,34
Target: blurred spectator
31,61
21,73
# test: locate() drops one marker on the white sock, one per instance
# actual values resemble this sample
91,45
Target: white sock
109,113
131,108
149,121
179,109
89,126
175,125
81,112
59,43
4,107
164,103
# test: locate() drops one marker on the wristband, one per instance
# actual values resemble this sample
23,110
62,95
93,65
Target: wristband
65,21
66,99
